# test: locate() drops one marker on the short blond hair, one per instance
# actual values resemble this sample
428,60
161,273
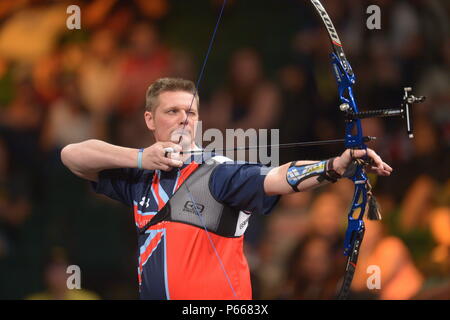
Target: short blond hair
168,84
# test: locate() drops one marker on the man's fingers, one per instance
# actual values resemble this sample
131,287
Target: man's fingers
169,164
387,167
175,156
380,172
376,163
176,163
384,170
162,156
375,158
172,162
164,167
382,166
167,151
174,147
357,153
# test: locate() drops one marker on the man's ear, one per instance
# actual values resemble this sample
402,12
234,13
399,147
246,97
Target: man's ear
149,120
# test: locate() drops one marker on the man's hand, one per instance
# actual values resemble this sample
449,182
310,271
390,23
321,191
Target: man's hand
156,157
376,164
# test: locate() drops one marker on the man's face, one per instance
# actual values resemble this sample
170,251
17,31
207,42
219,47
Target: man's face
167,120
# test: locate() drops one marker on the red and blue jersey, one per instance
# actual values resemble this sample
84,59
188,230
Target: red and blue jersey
177,260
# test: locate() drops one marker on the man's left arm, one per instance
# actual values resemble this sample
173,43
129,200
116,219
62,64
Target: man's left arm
306,175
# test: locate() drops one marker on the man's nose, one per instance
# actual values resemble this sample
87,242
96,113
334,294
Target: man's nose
184,117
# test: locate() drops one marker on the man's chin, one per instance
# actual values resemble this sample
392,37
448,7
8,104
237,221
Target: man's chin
183,140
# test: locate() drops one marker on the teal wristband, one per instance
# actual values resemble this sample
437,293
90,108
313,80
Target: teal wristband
141,151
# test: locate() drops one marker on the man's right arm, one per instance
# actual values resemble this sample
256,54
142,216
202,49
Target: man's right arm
86,159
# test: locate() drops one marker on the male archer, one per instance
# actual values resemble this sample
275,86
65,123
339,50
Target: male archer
191,211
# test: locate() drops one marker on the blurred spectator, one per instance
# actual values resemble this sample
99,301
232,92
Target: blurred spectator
181,65
417,202
297,94
24,113
435,84
96,12
115,13
437,265
327,217
6,83
297,221
311,273
15,203
32,32
385,81
99,73
45,74
406,40
155,9
285,226
248,99
20,127
400,278
145,61
69,121
440,255
417,157
55,278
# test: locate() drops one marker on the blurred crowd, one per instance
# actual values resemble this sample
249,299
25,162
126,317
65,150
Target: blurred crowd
269,69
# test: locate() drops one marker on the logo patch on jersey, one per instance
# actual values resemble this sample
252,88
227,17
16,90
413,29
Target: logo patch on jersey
194,208
242,224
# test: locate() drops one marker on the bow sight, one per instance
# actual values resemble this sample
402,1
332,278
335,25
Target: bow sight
404,111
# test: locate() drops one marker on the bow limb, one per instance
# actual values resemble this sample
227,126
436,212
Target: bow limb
354,139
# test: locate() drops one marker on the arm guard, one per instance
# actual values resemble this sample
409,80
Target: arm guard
323,170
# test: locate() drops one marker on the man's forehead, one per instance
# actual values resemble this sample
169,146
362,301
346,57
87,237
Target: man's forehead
180,98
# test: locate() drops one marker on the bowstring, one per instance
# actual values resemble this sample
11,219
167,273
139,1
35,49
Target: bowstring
202,70
197,86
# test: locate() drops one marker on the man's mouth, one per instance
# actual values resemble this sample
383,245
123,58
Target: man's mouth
184,132
180,135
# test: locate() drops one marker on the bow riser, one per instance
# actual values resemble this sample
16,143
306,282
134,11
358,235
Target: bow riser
345,82
354,140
